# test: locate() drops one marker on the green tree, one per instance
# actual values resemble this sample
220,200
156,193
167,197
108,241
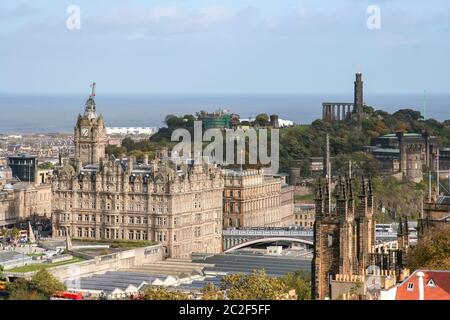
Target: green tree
128,144
46,283
115,150
21,290
15,233
42,286
262,119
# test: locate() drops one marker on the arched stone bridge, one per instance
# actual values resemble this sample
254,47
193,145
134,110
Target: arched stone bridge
239,238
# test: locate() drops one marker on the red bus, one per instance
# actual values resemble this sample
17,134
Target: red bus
67,296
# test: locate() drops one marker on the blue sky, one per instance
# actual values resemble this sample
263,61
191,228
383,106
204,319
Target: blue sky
224,47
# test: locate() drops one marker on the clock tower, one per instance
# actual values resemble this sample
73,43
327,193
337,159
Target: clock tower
90,134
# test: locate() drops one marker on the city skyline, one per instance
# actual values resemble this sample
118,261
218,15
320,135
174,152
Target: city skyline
223,47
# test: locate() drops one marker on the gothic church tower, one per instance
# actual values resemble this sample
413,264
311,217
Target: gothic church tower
344,234
90,134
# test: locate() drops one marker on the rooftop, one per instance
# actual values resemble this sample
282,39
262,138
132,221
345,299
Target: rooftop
248,262
436,286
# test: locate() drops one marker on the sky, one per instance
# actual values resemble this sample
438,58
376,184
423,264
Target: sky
207,47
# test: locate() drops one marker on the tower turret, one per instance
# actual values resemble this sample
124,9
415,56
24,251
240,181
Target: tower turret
90,133
358,102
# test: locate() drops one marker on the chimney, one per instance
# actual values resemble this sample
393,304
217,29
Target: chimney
420,276
146,159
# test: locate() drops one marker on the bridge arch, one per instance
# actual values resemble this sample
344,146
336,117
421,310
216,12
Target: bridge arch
262,240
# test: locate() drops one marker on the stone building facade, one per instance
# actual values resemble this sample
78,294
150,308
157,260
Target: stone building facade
22,201
251,199
177,205
436,215
409,154
344,235
347,262
7,209
287,205
304,215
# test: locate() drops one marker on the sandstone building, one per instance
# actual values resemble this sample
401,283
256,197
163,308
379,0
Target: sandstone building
304,215
345,256
344,236
23,201
251,199
177,205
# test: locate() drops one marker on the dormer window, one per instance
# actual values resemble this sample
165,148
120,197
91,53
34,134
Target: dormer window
410,286
431,283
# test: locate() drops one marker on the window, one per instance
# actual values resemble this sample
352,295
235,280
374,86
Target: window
431,283
330,240
410,286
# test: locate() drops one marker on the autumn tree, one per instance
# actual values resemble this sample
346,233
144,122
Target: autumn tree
161,293
211,292
255,286
300,281
431,252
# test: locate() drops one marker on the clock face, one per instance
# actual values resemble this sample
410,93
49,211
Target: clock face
84,132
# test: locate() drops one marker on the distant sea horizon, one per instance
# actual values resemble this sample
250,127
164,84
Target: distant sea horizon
25,114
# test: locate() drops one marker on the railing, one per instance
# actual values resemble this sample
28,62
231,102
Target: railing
298,233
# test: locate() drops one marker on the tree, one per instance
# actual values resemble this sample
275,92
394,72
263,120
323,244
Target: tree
42,286
128,144
211,292
21,290
15,233
46,166
301,282
161,293
431,252
262,119
44,282
255,286
115,150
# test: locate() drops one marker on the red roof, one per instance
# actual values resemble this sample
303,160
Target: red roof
436,286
